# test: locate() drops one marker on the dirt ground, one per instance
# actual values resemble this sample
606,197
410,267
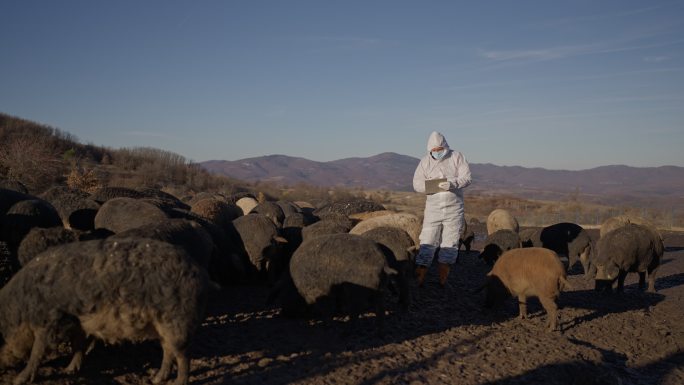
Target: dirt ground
445,338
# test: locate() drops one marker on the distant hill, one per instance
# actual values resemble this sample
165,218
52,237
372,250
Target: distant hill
649,186
388,171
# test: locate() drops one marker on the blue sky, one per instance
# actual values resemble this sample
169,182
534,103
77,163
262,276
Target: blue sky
560,85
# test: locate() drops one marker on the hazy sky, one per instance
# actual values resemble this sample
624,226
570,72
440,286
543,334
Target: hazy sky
553,84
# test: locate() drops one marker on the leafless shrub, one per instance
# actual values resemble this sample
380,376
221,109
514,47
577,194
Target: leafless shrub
32,160
84,179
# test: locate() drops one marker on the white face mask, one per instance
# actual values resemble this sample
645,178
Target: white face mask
438,155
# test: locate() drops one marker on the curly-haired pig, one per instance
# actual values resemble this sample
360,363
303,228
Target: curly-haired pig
121,214
348,269
500,219
498,243
527,272
400,253
40,239
23,216
271,210
217,211
188,234
325,227
630,248
569,240
104,194
615,222
75,208
128,289
263,249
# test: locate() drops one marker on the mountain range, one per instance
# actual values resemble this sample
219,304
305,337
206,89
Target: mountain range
650,186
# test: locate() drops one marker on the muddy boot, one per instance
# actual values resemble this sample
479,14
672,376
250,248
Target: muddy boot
443,270
421,271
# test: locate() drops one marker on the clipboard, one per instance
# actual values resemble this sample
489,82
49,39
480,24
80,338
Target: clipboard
432,185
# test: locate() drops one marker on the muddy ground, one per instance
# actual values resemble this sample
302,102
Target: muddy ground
445,338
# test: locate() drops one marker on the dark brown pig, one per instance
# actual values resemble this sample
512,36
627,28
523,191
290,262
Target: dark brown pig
630,248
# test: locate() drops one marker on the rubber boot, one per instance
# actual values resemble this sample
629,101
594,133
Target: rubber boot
421,271
443,270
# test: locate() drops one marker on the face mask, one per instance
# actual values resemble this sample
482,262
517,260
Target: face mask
438,155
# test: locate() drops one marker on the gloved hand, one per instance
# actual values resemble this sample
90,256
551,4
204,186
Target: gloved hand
444,186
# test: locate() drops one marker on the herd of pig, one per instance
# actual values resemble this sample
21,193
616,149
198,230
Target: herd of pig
534,262
136,264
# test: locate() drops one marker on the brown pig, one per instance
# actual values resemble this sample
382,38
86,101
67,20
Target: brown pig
527,272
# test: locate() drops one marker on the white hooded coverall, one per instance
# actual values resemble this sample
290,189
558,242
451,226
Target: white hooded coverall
443,210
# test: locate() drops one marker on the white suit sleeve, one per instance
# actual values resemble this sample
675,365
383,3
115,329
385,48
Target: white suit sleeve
419,178
463,177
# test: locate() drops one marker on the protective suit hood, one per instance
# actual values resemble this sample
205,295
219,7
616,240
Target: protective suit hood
436,140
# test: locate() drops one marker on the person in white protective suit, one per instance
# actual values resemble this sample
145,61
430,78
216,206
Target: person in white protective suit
444,209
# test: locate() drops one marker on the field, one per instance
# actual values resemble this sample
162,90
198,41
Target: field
539,213
445,338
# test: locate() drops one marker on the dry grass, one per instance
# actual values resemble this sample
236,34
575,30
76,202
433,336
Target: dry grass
536,213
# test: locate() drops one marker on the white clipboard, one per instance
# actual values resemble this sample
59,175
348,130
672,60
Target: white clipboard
432,185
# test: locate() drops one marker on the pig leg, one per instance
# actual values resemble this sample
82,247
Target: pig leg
651,279
404,292
621,281
168,355
379,312
17,346
172,351
642,279
584,259
572,260
600,286
165,369
354,314
37,351
551,308
174,343
522,305
79,343
183,363
351,302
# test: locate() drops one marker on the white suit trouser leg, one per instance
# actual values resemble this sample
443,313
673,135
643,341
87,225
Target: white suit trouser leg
442,235
448,248
441,229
